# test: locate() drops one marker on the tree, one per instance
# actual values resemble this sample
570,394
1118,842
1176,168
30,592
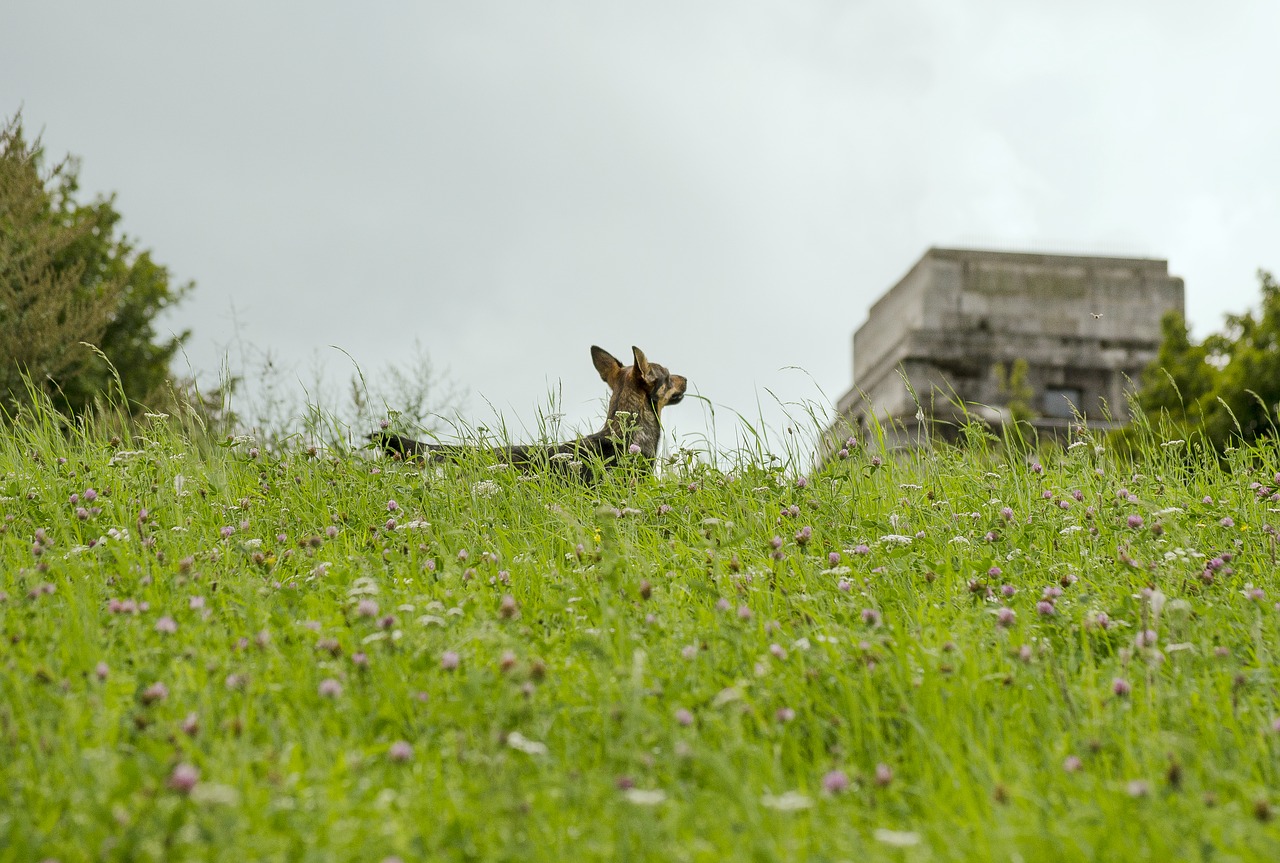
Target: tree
1229,384
67,277
1012,384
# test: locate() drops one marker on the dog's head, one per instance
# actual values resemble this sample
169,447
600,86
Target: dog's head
641,382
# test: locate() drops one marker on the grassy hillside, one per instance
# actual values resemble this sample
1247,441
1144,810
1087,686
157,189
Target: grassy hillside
211,653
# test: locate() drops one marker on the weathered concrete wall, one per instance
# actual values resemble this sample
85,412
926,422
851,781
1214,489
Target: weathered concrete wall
1086,326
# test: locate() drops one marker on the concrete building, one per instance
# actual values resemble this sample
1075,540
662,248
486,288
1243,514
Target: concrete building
1086,327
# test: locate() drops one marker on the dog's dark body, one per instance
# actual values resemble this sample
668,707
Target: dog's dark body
639,392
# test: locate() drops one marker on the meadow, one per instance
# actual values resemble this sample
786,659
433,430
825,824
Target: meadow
214,650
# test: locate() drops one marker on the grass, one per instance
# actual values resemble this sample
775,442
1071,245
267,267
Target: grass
230,655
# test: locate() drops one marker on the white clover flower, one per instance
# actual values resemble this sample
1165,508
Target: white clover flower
896,838
725,696
645,796
485,488
520,743
363,586
788,802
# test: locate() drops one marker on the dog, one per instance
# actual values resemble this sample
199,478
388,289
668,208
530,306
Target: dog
638,393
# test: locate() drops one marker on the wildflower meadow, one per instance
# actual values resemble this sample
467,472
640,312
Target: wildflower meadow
217,650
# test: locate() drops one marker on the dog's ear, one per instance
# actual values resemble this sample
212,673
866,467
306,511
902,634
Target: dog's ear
642,363
606,364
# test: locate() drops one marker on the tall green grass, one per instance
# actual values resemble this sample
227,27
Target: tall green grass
236,654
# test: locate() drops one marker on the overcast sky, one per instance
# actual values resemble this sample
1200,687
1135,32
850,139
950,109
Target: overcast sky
727,185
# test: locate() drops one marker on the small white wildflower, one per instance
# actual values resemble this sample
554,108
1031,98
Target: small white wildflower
156,416
1176,442
363,586
520,743
561,456
960,540
124,455
212,793
837,570
494,468
725,696
485,488
645,796
896,538
416,524
788,802
896,838
1071,529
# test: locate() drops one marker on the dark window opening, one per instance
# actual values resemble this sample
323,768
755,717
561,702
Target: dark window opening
1062,402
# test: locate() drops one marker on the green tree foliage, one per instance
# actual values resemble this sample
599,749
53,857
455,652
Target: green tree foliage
1229,384
1018,393
67,277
